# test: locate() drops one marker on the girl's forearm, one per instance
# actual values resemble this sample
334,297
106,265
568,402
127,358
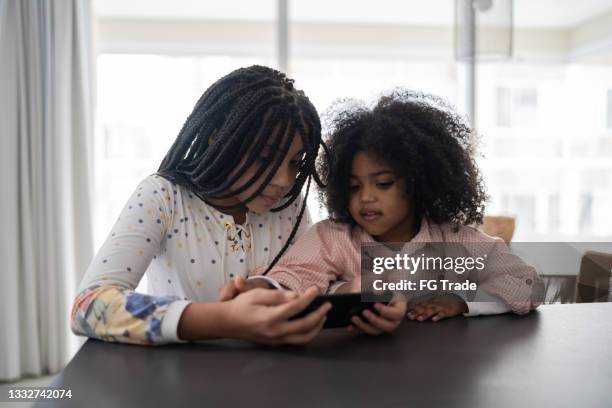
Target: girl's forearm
203,321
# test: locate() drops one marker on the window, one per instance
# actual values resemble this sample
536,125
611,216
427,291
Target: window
553,210
539,113
143,100
516,107
523,205
547,142
585,217
609,110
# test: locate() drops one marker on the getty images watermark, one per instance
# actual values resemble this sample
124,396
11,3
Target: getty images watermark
412,264
559,272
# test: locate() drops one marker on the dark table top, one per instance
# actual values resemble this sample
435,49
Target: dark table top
559,356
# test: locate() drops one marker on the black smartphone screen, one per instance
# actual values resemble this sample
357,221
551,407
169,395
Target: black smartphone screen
344,306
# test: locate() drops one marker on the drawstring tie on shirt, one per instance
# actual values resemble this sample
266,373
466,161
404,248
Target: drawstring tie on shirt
239,237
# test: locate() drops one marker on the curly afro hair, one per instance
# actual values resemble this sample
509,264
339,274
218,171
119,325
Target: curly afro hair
422,139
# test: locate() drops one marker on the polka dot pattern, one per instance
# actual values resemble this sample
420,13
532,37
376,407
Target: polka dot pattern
185,245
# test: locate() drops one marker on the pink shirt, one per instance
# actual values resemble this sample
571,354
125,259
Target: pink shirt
330,253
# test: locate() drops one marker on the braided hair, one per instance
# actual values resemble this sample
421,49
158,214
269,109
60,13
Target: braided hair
238,113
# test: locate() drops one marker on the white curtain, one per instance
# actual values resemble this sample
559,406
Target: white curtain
46,94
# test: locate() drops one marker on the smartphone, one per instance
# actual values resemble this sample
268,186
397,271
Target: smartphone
344,306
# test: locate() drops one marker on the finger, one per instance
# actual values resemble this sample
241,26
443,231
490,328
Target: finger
304,324
428,312
450,311
270,297
297,305
380,323
240,283
244,285
365,327
303,338
306,337
440,315
393,311
227,292
415,310
419,308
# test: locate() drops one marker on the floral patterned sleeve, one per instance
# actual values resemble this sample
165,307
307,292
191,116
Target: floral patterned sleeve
107,307
113,313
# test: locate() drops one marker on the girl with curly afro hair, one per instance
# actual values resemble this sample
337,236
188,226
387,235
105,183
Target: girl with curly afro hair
423,143
403,171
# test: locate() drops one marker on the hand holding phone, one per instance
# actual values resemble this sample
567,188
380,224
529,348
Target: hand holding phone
344,307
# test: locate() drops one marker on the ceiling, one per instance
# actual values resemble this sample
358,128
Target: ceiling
545,14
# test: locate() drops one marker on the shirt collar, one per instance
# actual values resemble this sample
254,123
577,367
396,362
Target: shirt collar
425,235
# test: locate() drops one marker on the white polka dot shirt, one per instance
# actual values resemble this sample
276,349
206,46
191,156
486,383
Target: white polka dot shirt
188,249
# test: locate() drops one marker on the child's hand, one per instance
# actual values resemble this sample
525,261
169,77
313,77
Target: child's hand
240,285
438,308
263,316
387,320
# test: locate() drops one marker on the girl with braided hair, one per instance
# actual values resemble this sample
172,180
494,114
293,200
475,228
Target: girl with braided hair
225,200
